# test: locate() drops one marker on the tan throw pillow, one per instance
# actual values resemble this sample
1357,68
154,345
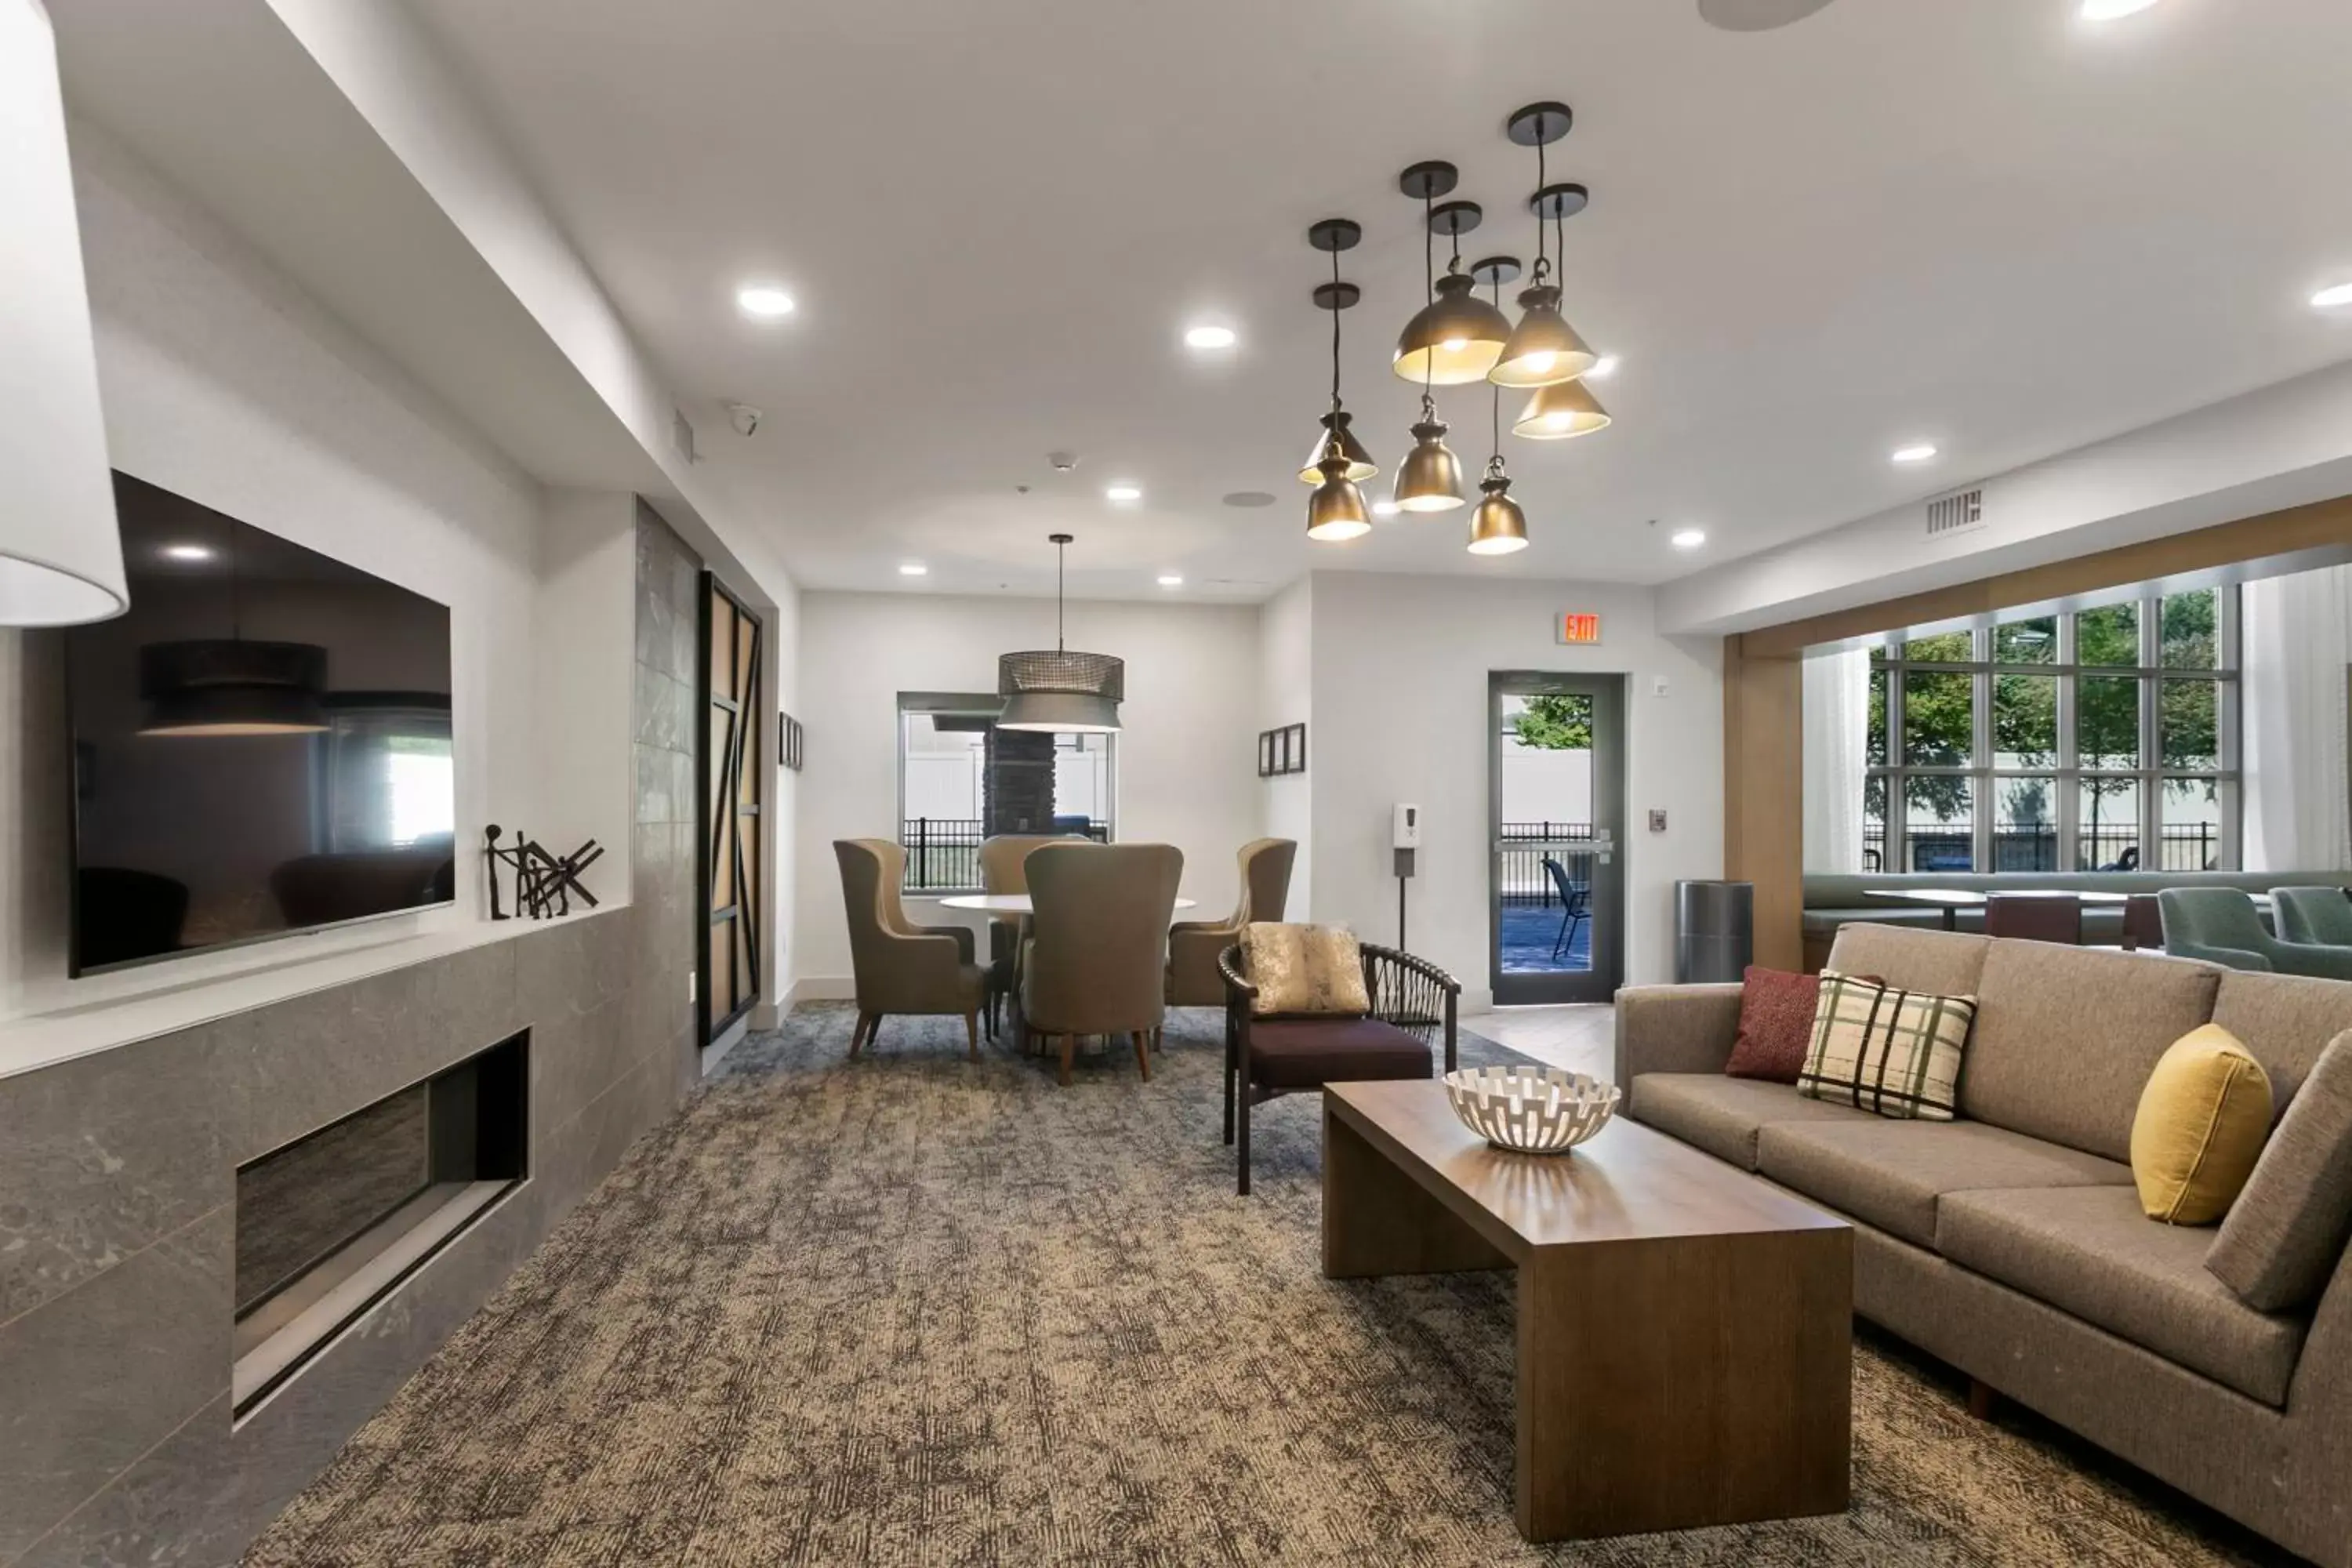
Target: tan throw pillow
2288,1229
1303,971
1895,1053
2201,1126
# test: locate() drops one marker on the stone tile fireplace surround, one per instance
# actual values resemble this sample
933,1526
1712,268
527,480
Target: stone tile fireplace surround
118,1173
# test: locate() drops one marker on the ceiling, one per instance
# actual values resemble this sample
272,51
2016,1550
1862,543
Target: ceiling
1993,226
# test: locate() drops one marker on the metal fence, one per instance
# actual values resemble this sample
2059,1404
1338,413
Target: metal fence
943,852
2033,846
1525,880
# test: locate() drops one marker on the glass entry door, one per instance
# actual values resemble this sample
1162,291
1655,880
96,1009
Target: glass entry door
1556,768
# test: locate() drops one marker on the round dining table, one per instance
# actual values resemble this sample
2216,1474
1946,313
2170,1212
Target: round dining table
1014,903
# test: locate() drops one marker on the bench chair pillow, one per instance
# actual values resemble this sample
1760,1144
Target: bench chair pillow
1305,971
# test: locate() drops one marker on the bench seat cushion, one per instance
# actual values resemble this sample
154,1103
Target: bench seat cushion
1723,1115
2090,1251
1305,1053
1891,1174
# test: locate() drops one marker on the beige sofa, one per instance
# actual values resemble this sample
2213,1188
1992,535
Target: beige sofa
2011,1243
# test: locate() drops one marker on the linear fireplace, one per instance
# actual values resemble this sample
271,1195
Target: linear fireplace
330,1224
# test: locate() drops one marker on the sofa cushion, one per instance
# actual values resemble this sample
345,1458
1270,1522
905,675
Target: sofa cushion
1302,1053
1941,962
2091,1252
2286,1020
2286,1231
2066,1037
1890,1051
1890,1173
2199,1128
1776,1024
1723,1115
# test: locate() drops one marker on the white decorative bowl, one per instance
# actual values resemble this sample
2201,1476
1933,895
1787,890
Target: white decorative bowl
1531,1110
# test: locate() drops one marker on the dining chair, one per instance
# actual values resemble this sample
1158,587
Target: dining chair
1095,962
2221,925
1001,857
2313,914
2035,918
902,967
1194,945
1575,904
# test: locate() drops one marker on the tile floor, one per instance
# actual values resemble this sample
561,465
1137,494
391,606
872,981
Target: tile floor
1581,1038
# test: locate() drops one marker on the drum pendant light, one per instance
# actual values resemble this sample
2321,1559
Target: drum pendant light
1335,234
1497,526
1543,348
1060,691
1457,337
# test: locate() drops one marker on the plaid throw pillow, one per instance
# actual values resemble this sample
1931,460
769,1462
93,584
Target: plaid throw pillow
1897,1053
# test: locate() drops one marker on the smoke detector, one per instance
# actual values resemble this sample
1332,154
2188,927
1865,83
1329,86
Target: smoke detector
744,417
1757,16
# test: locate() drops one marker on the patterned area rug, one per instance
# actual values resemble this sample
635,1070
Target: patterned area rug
908,1309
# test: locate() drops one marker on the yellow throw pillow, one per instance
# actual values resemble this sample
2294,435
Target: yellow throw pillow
1305,971
2201,1122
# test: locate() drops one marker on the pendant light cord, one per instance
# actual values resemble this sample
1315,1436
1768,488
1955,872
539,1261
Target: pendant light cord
1061,555
1335,340
1428,298
1541,182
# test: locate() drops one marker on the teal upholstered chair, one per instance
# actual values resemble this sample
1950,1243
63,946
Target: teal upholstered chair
2314,914
2221,926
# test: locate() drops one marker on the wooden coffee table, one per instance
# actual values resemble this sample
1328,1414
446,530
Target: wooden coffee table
1685,1335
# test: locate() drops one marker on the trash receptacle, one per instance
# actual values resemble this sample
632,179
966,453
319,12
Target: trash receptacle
1715,931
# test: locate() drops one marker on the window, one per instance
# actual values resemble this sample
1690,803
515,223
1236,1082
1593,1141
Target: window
961,779
2103,740
389,777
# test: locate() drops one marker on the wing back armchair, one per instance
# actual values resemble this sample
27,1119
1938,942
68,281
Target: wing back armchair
1194,945
901,967
1093,962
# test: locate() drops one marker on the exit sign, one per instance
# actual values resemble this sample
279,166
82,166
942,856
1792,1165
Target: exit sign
1575,629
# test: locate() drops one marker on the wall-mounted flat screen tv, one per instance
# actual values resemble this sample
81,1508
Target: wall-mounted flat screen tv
261,744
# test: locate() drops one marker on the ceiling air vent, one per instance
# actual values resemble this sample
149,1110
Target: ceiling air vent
1956,513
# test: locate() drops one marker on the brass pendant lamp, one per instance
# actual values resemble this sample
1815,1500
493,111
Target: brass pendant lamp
1457,337
1543,349
1497,526
1563,408
1335,234
1429,478
1335,511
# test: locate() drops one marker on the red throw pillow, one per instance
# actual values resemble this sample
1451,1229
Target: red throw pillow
1776,1024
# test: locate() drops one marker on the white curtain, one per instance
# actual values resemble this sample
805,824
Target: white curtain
2298,640
1837,721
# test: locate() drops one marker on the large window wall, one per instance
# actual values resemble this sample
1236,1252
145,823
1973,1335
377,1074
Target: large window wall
2095,740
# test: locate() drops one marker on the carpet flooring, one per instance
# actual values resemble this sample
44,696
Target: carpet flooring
908,1310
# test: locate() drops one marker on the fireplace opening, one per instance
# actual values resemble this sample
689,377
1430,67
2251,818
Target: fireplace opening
330,1224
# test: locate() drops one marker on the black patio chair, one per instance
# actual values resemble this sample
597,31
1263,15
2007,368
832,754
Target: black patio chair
1575,904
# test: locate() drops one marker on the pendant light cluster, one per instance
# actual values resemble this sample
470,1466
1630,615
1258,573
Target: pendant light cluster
1457,338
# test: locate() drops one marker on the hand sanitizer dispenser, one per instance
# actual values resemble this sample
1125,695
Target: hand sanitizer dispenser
1404,837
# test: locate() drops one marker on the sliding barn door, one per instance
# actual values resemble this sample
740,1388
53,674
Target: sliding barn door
732,794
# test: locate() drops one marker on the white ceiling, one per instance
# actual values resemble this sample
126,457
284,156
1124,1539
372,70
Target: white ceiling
1989,224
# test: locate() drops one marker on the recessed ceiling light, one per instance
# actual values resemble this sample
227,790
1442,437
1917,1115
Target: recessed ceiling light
1384,508
912,569
1917,452
1602,368
1169,580
2109,10
187,552
764,302
1687,537
2333,299
1123,490
1209,337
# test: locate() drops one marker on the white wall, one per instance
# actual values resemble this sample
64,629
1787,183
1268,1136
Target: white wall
1286,696
1187,757
225,384
1400,707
